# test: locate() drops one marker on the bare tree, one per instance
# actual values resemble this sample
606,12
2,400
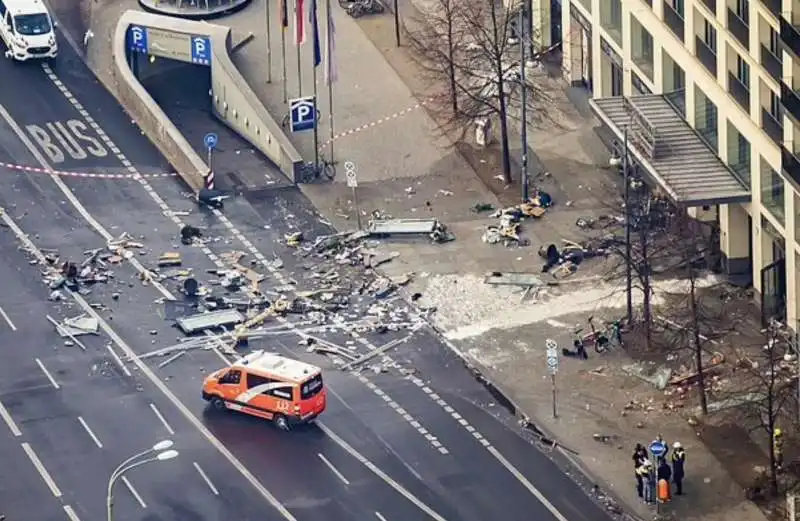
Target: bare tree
470,46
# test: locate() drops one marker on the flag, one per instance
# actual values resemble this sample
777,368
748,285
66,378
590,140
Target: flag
330,47
312,16
284,14
299,23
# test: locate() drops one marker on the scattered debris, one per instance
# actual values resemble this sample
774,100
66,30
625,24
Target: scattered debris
189,234
211,320
659,377
64,332
169,259
435,230
513,279
510,219
171,359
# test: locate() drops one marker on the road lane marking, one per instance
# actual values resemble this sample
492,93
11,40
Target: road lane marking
134,492
9,421
205,478
7,319
145,370
380,516
382,475
334,469
91,433
37,463
527,484
71,513
408,418
47,374
163,420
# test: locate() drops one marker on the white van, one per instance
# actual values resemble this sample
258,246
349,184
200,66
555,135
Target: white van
27,30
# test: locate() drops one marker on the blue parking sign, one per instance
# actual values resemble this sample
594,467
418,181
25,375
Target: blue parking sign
303,114
137,39
201,50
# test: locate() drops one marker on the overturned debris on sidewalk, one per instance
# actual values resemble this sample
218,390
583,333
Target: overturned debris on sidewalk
510,219
211,320
435,230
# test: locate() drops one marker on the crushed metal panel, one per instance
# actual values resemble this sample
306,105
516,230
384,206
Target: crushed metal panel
513,279
402,226
212,320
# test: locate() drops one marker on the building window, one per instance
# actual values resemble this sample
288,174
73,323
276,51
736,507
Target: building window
710,36
739,154
796,217
678,6
775,106
638,85
705,117
774,42
772,191
742,10
742,71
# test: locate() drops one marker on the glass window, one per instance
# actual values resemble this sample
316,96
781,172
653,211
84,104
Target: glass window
743,71
775,106
286,392
710,36
743,10
772,190
254,380
739,154
231,377
32,24
775,43
705,116
796,218
311,388
678,6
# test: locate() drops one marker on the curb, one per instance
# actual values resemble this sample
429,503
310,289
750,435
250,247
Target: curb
541,433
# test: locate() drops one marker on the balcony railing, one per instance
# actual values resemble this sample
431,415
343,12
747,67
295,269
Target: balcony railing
790,164
674,20
739,29
771,126
790,35
774,7
790,99
772,63
707,57
739,91
711,4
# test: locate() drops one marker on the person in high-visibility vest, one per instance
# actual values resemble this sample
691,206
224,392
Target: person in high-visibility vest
777,447
678,462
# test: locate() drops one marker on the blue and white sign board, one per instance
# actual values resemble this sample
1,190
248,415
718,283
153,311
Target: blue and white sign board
303,114
137,39
658,448
210,140
201,50
552,355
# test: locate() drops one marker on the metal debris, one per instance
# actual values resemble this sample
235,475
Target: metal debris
211,320
66,332
513,279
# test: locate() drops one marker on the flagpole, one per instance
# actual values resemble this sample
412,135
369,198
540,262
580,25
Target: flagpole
328,50
283,61
315,61
299,35
316,118
269,43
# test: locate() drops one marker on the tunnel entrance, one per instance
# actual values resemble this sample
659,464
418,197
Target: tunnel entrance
183,91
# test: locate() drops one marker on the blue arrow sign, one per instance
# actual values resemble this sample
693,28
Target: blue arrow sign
210,140
657,448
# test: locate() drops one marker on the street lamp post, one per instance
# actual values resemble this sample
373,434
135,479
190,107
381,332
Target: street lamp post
158,452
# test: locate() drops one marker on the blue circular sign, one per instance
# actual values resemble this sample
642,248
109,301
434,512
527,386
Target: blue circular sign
657,448
210,140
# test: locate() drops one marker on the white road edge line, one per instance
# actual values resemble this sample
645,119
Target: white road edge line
134,491
47,374
527,484
37,463
7,319
334,469
12,425
71,513
163,420
91,433
380,516
382,475
146,371
205,478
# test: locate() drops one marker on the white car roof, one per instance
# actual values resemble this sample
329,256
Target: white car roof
276,365
18,7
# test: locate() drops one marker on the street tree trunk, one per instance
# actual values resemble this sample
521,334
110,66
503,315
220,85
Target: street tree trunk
698,351
451,59
497,51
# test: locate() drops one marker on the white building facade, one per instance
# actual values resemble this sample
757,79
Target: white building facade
728,69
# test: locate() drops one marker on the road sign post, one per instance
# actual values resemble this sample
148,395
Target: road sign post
552,366
210,140
352,181
658,449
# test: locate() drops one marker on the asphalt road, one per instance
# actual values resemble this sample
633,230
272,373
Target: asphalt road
420,440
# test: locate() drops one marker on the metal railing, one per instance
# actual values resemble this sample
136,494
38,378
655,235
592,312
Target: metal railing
707,56
772,63
642,132
739,28
674,20
739,91
772,126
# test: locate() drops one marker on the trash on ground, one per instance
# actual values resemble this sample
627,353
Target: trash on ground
434,229
513,279
189,234
510,219
211,320
169,259
658,377
80,325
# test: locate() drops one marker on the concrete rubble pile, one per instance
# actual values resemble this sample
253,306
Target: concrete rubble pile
510,220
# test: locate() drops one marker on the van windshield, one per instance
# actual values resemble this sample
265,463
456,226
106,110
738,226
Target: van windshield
311,388
32,24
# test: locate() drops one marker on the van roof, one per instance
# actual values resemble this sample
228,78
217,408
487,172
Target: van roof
278,366
25,6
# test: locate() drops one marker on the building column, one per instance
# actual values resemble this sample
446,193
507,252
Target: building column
734,239
542,21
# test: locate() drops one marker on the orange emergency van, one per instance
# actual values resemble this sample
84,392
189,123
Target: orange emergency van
269,386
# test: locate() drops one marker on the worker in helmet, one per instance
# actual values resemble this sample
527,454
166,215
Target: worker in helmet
678,463
777,448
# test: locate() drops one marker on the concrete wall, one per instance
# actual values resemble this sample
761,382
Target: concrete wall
236,104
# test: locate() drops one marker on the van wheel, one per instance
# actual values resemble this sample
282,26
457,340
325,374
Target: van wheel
281,422
218,403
